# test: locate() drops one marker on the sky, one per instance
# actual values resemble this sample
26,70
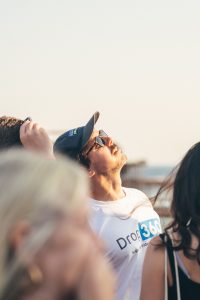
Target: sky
136,62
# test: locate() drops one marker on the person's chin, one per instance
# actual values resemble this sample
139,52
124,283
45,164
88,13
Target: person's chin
124,158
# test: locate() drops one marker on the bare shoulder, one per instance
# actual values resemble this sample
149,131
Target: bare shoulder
153,271
155,251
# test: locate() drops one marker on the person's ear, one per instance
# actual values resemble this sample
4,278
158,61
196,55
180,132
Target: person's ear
91,173
18,234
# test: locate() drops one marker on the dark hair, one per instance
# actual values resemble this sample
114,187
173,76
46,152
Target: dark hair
9,132
84,160
185,206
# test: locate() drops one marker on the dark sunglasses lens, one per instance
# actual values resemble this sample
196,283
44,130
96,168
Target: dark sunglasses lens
102,133
28,119
99,141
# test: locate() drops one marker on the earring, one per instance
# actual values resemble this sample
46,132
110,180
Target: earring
188,223
35,274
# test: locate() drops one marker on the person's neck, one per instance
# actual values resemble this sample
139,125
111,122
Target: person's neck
107,188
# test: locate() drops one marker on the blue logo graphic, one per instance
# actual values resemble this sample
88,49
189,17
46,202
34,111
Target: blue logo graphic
149,228
72,132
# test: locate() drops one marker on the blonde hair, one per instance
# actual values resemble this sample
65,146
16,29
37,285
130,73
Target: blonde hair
31,187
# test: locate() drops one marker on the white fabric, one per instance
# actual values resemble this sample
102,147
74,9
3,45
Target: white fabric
126,226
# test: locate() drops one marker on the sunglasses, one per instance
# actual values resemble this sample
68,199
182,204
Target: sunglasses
27,119
98,141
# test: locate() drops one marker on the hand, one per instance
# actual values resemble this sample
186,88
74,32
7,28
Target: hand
35,138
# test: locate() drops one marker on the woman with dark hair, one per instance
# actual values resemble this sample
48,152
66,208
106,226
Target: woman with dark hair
172,263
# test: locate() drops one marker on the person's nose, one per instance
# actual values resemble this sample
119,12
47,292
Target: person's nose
108,141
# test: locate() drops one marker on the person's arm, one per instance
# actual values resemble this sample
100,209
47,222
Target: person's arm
35,138
153,272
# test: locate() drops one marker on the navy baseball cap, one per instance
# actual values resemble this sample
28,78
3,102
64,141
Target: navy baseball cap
73,141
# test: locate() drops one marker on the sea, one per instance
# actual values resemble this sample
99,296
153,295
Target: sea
152,173
148,178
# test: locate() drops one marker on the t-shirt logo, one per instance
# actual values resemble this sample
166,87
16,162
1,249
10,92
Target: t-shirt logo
149,228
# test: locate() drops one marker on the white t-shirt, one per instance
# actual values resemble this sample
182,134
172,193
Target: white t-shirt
126,226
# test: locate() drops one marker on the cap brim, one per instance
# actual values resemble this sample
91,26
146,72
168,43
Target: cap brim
88,128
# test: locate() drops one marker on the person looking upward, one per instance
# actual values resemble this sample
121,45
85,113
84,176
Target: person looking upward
123,217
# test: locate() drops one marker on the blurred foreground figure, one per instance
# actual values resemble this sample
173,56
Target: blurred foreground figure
28,134
47,249
179,246
123,217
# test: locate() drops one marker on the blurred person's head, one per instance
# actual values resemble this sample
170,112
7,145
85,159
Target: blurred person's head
9,132
94,149
45,239
184,184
